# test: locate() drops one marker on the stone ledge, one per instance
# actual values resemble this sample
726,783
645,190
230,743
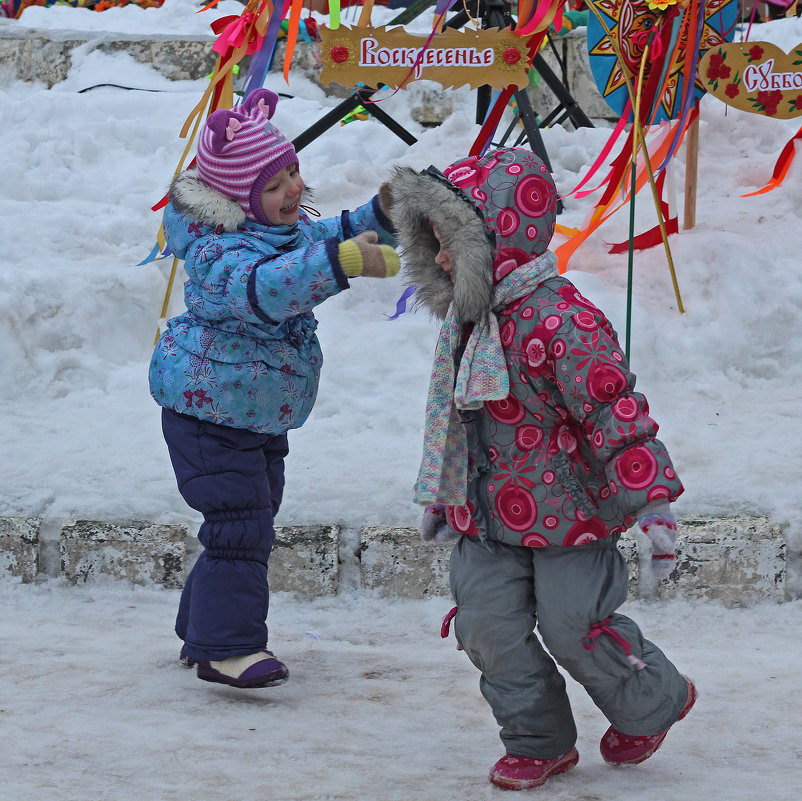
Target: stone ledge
19,547
142,553
729,559
46,56
396,562
305,560
735,560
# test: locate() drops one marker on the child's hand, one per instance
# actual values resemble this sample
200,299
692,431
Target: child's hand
434,525
658,523
362,256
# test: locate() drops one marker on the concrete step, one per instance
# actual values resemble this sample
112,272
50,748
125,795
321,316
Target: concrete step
735,560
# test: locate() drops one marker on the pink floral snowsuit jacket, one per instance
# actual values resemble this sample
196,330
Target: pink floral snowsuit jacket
571,455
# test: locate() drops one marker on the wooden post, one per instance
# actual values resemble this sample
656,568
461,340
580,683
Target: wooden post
691,162
166,301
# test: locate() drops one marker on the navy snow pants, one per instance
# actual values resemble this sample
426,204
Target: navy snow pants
235,478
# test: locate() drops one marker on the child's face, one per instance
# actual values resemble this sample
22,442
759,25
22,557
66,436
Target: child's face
443,259
281,195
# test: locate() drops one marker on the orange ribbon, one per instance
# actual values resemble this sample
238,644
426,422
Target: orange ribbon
781,167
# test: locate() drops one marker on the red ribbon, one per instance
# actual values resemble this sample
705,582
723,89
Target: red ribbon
654,236
234,31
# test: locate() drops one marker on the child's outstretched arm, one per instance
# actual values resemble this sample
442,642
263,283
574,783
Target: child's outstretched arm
362,256
255,287
372,216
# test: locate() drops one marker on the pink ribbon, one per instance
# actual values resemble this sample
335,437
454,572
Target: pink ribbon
234,34
596,631
620,126
540,12
446,627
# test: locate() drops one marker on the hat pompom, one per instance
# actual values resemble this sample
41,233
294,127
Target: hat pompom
223,126
261,100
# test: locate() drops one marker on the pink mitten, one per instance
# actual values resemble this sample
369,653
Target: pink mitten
658,523
434,525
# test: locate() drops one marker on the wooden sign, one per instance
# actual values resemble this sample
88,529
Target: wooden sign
756,77
373,56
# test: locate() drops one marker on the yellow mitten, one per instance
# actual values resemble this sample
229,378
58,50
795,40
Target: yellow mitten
362,256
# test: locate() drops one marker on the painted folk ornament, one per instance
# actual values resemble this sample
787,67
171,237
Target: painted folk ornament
756,77
631,23
373,56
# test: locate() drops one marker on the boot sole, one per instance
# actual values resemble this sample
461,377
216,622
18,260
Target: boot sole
637,760
243,685
527,784
692,696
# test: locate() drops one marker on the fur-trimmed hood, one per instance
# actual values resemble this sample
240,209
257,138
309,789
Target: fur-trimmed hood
191,196
495,212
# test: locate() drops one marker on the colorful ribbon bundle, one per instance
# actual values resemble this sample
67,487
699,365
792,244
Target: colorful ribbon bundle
534,19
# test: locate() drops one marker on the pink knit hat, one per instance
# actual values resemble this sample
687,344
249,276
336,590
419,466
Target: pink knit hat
239,150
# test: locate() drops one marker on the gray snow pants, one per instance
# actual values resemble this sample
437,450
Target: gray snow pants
503,591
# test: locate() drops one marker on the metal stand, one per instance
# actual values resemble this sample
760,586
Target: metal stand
497,14
357,98
361,95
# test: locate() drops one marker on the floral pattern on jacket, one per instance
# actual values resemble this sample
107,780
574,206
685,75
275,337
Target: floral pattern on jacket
245,353
571,454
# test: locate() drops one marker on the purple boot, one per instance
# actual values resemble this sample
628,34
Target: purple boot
249,671
185,659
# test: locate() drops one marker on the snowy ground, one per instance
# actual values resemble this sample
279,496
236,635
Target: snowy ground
95,706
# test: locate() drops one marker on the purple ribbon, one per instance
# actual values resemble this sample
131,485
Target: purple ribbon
401,304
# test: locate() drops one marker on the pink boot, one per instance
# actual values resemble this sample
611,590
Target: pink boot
628,749
522,773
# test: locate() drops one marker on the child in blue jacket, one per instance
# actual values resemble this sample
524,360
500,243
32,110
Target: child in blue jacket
241,366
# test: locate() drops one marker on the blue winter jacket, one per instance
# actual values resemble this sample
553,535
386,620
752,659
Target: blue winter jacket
245,353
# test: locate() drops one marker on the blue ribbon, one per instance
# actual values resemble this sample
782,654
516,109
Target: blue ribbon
262,59
154,254
401,304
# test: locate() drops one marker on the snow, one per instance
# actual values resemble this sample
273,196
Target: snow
94,704
183,17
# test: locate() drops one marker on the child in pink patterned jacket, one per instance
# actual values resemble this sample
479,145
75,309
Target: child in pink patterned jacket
538,453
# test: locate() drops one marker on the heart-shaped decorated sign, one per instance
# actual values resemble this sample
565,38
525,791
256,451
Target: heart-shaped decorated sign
756,77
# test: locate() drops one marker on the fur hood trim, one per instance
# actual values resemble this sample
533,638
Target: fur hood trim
418,201
495,213
191,196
